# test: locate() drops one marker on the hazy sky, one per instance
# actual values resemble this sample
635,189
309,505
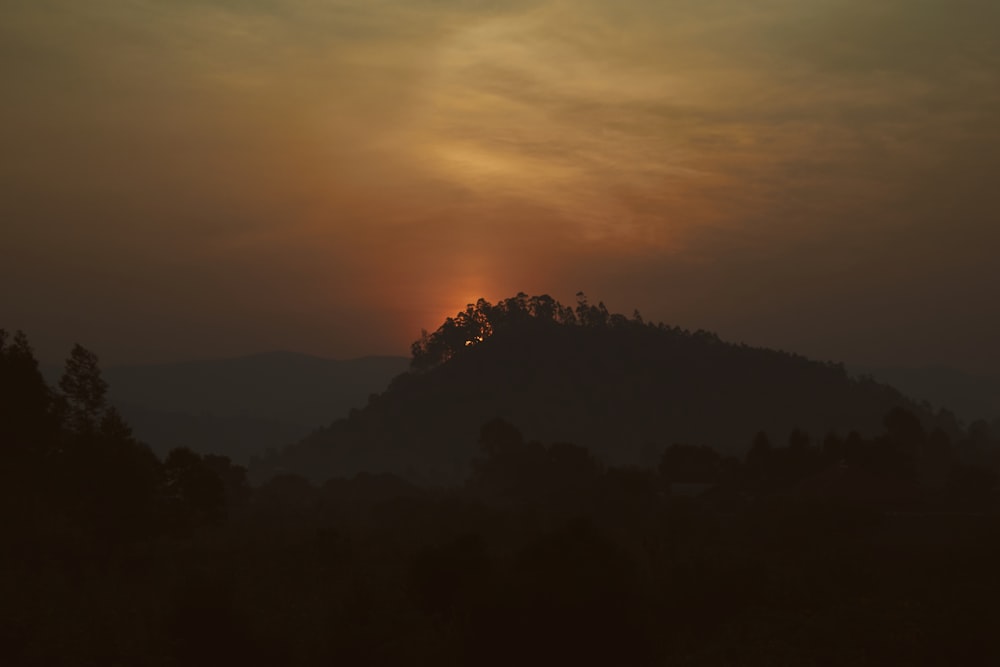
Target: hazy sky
195,178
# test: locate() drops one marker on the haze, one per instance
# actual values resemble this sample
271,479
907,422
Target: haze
187,178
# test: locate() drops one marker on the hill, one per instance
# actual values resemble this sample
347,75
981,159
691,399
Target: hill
970,396
621,387
241,406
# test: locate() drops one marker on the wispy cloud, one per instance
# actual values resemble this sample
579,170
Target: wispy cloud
382,153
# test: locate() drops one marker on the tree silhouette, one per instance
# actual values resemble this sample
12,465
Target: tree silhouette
84,388
481,320
760,452
26,402
688,464
194,485
797,557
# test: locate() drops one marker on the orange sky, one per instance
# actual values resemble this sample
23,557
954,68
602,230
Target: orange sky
192,178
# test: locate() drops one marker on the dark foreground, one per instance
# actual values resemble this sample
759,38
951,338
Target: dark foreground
858,551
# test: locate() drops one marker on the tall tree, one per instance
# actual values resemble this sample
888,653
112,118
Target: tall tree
85,389
25,399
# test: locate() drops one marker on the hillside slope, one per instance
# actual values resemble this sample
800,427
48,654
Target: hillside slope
970,396
622,388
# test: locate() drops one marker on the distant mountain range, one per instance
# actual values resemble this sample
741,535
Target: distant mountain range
622,388
242,406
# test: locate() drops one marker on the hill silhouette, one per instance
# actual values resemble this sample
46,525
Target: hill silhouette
623,388
970,396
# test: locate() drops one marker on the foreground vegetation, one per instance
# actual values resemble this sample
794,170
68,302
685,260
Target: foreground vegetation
849,551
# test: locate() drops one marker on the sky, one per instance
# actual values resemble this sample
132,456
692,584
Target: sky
201,178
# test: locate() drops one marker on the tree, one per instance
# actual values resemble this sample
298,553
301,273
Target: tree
798,440
834,448
25,400
759,455
689,464
194,485
85,389
904,428
114,427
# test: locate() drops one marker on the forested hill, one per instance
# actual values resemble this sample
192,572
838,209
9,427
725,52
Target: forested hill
623,388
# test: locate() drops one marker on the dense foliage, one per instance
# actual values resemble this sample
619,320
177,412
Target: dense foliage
482,320
853,550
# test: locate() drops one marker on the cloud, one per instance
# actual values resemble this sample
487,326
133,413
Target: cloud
381,154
